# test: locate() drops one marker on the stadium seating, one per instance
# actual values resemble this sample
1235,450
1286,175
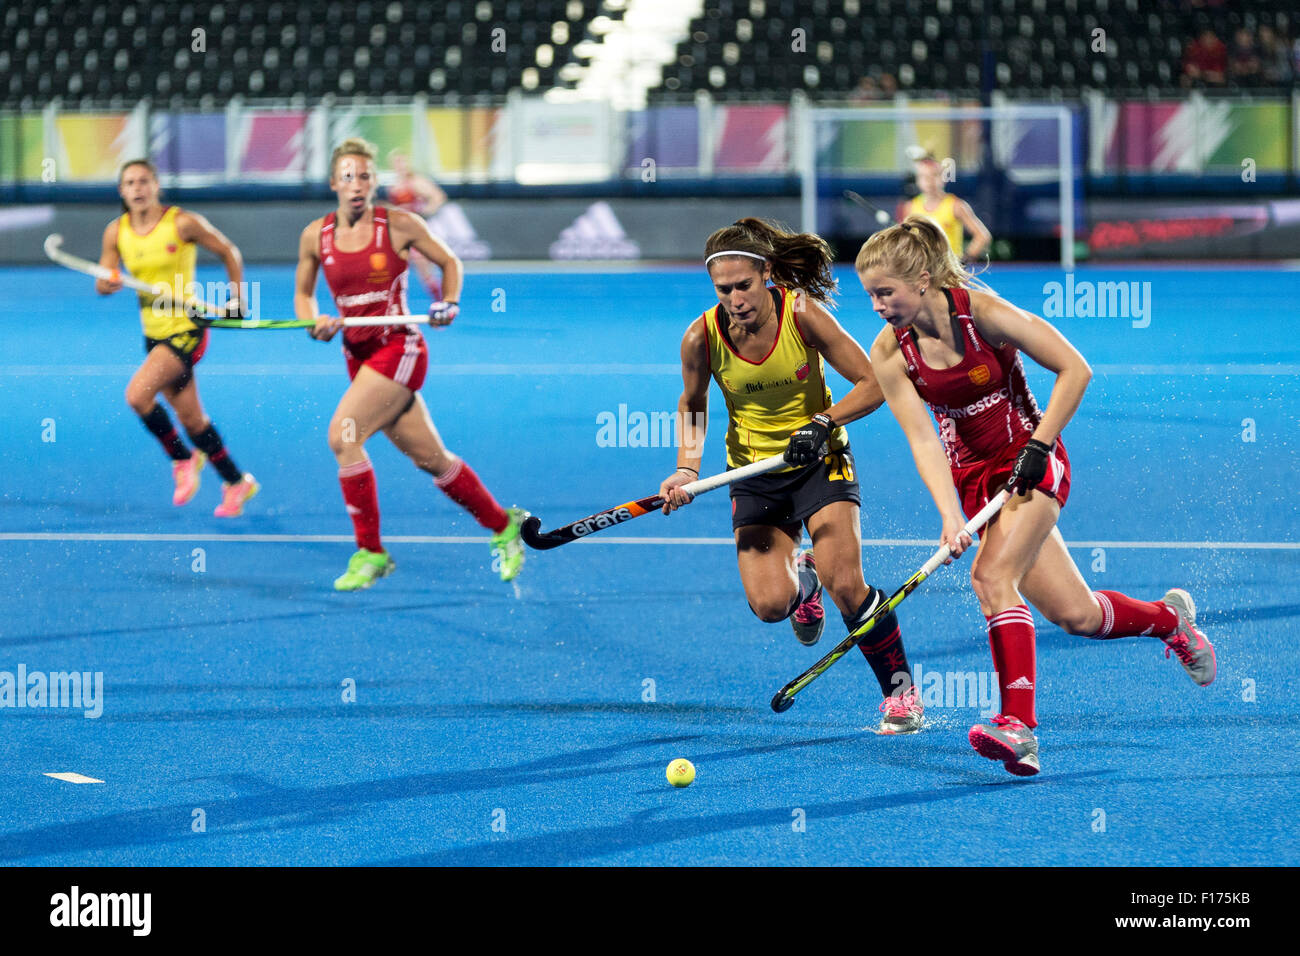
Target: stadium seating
1037,46
117,51
121,50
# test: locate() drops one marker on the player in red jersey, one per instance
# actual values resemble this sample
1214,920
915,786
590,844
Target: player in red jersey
957,349
422,196
363,250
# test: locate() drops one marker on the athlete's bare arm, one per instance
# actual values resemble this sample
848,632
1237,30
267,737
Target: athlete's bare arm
692,413
927,451
1002,323
981,237
192,227
409,231
109,258
846,356
432,194
304,284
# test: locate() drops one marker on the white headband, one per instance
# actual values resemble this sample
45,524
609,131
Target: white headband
734,252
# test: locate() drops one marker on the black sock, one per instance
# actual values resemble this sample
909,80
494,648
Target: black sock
882,646
209,442
159,422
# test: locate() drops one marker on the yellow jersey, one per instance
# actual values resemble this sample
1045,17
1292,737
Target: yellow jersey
159,257
768,399
945,214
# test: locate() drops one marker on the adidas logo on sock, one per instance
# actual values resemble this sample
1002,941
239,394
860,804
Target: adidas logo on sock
1020,683
353,510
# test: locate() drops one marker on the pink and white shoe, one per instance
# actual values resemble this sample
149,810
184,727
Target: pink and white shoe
186,474
1007,739
234,494
903,713
1194,650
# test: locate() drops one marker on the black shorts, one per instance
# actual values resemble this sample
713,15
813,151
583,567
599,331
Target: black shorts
792,497
188,346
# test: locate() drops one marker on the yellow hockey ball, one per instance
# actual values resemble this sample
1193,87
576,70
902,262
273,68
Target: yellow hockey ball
681,772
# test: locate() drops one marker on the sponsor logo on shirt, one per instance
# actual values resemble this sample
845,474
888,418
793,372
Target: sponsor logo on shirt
364,298
980,375
802,373
988,401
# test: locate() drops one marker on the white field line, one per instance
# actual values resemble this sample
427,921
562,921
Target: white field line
523,369
113,536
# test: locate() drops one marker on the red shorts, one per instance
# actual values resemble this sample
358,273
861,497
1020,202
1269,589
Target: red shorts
977,483
403,357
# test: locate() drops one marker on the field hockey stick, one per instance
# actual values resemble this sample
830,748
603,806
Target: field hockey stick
863,203
534,537
53,244
784,698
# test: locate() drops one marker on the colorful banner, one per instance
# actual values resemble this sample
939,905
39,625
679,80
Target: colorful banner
880,146
461,140
751,139
389,131
91,147
1198,136
670,135
273,142
189,144
22,148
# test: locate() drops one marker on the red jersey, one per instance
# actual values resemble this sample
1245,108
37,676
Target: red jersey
982,404
371,281
399,194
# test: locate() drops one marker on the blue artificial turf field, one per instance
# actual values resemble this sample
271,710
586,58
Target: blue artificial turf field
515,725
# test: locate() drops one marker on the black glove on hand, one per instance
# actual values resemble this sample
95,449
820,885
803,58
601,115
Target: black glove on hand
1030,467
809,443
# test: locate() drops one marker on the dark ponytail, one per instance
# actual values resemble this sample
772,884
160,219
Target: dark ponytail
799,261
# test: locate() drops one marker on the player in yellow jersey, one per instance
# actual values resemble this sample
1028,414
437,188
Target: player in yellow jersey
954,216
764,345
155,243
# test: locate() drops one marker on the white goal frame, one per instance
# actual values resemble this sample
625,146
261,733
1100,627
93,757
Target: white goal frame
810,116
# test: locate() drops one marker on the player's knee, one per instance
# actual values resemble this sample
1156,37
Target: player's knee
140,400
993,586
770,611
343,435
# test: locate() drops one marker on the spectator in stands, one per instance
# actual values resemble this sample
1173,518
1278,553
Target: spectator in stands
1243,60
1274,58
1205,61
888,86
866,91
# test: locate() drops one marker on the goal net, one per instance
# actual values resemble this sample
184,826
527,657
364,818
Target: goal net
1019,167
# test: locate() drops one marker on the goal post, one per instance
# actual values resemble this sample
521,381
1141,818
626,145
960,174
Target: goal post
869,143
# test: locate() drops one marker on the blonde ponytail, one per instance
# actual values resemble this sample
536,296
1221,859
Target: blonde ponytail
915,245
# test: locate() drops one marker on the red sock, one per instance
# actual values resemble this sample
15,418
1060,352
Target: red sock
1011,636
462,486
1123,616
360,496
